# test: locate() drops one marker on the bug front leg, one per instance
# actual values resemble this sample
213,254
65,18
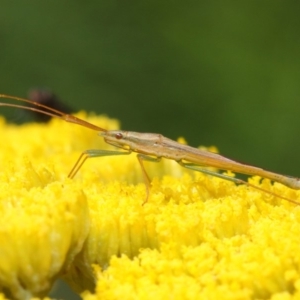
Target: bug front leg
141,158
92,153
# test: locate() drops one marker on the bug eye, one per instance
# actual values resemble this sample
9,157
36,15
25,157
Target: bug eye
119,136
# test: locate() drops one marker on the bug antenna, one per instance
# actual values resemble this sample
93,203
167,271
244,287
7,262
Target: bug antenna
46,110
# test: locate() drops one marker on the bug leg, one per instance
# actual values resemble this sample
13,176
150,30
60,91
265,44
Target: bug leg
236,180
92,153
141,158
208,172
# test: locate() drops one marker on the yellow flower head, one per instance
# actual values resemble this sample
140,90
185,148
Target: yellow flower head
197,236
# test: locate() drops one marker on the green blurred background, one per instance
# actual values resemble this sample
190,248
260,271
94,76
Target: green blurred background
223,73
217,73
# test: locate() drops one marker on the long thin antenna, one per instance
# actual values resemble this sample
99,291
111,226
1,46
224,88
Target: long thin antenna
49,111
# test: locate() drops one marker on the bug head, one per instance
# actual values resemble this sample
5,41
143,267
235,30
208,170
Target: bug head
117,138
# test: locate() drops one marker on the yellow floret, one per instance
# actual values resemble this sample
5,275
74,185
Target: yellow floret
41,231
